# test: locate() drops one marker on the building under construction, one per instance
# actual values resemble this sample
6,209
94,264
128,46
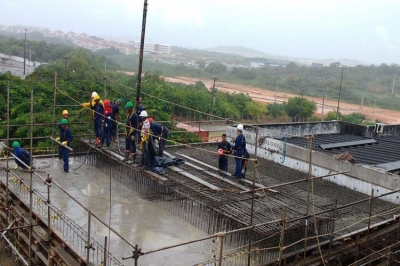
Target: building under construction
300,204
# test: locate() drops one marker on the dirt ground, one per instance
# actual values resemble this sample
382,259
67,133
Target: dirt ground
269,96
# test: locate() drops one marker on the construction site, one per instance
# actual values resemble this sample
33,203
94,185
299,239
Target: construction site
319,193
300,203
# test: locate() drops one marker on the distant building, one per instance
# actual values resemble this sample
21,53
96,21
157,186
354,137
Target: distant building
256,64
317,65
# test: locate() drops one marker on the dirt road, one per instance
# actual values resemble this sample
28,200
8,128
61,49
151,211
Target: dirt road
268,96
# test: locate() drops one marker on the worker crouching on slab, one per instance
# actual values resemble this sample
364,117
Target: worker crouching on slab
22,155
161,132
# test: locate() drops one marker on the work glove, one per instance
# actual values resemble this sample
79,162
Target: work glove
58,139
16,167
64,143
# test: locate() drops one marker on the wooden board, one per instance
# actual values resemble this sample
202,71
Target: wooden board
195,178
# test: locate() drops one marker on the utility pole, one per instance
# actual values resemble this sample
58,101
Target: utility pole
25,54
277,87
65,66
373,110
323,105
362,102
139,74
212,100
340,93
105,64
301,112
394,78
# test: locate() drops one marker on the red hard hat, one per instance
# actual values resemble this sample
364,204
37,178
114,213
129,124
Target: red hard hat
150,120
106,102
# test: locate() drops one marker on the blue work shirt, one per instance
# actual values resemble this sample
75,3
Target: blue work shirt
158,129
240,145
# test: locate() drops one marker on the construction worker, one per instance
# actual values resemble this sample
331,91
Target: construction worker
64,115
224,148
65,139
130,132
98,110
161,132
106,125
22,155
91,104
139,109
116,117
239,148
145,132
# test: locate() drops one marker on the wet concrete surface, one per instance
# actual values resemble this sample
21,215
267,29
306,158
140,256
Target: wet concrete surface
139,221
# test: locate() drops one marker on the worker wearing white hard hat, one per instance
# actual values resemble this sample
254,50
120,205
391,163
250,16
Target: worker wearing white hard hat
239,148
145,132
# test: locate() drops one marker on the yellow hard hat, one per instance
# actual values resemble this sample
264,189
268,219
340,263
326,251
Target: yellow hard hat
65,112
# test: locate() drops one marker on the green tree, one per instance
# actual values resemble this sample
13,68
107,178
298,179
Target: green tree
215,68
276,109
299,109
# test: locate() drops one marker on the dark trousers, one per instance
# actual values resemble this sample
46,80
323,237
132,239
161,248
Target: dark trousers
161,147
65,153
106,136
223,163
130,146
97,128
26,159
146,157
238,163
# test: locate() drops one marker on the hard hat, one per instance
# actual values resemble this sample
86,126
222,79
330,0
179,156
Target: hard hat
118,100
143,114
150,120
64,121
15,144
129,105
96,97
65,112
240,127
94,93
106,102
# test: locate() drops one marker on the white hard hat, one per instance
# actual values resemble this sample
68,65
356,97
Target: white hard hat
239,127
94,93
143,114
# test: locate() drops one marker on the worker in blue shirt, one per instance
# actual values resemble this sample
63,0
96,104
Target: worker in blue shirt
224,148
22,155
65,139
239,148
98,109
161,132
131,132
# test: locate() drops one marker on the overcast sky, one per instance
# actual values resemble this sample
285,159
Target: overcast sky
366,30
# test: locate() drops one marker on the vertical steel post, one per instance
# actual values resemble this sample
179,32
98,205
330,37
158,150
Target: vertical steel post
282,240
332,231
221,248
54,106
340,93
48,215
305,242
30,185
309,144
88,239
212,100
139,74
370,212
8,140
252,199
25,53
105,252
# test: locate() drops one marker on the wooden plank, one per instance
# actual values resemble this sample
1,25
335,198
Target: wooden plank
202,163
156,176
195,178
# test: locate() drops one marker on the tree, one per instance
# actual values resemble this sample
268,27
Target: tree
215,68
276,109
299,109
